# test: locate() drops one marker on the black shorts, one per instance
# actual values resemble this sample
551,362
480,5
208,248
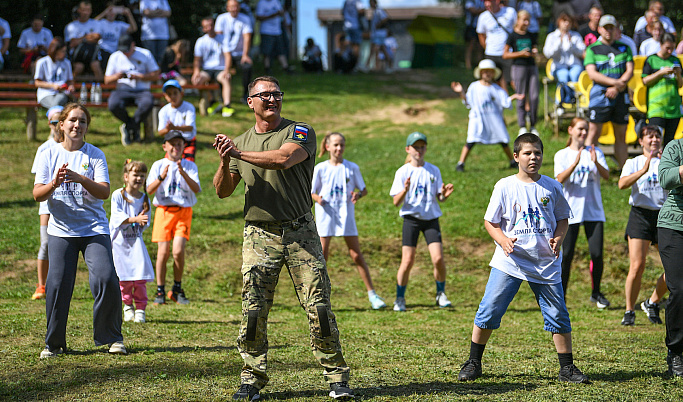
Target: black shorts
85,53
413,226
271,45
505,66
213,74
471,33
642,224
617,113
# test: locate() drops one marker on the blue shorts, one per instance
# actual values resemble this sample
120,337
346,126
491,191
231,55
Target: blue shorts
354,35
502,288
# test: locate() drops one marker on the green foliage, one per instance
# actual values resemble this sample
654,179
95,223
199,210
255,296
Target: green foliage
188,352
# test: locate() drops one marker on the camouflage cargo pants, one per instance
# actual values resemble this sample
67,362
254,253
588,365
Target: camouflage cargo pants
267,247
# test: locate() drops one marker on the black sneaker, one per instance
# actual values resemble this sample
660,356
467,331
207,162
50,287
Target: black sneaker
675,363
469,371
178,296
160,299
571,373
629,318
652,311
341,390
600,300
460,167
247,392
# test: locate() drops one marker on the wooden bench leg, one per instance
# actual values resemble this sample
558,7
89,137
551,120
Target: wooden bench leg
31,123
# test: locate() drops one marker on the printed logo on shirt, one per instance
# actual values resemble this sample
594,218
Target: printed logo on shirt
580,173
336,190
649,183
85,166
300,133
545,201
531,222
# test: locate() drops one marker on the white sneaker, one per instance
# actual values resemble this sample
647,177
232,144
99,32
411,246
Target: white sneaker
377,302
400,304
128,313
48,354
442,300
140,316
117,348
534,131
522,130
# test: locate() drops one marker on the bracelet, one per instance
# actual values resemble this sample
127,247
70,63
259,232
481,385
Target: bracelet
160,178
53,185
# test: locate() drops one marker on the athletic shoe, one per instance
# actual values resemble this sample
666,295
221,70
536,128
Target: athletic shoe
47,353
128,313
460,167
600,300
214,108
400,304
124,135
39,293
160,299
178,297
514,164
247,392
534,131
139,316
228,111
117,348
571,373
629,318
377,302
675,363
652,311
341,390
469,371
442,301
522,130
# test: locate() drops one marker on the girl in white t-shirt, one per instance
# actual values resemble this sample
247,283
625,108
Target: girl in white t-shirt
417,187
641,174
130,213
579,168
334,191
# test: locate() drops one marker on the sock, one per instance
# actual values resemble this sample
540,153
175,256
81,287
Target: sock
440,286
176,285
371,293
565,359
461,164
476,351
400,291
161,290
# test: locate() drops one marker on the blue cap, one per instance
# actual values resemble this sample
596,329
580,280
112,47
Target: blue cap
415,137
172,83
53,110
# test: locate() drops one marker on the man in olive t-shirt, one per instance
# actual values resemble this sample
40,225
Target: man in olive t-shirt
275,158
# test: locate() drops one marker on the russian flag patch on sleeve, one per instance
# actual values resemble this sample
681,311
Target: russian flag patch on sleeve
300,133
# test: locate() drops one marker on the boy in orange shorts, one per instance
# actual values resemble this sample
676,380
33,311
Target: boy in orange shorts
174,181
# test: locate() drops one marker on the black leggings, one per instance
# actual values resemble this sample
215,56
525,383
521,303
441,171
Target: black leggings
671,249
669,126
594,234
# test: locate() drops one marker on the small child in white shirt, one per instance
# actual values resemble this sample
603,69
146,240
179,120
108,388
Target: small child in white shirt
178,115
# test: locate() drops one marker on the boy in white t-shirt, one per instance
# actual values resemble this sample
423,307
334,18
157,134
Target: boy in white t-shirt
527,217
178,115
174,181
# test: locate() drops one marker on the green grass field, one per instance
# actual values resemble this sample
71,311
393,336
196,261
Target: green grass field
189,353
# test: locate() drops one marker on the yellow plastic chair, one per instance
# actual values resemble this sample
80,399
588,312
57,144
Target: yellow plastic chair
631,135
549,69
679,130
607,134
640,98
638,62
584,84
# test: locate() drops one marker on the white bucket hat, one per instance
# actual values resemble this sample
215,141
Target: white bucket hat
487,64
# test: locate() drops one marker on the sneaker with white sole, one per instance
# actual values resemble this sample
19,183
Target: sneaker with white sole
600,300
128,313
534,131
629,318
377,302
125,140
341,390
442,301
652,311
139,316
48,354
178,296
227,111
117,348
400,304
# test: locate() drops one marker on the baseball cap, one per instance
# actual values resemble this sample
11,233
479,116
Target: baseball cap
607,19
173,134
415,137
53,110
172,83
124,43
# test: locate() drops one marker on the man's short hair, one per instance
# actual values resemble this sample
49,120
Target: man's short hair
266,78
527,138
208,18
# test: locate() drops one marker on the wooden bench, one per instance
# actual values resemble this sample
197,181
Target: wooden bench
23,95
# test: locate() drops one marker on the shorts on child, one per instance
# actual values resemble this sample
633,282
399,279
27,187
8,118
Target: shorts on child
354,35
213,74
271,45
413,226
502,288
190,149
642,224
171,222
617,113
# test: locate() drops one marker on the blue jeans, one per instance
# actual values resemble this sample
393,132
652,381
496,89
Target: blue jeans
502,288
566,74
157,47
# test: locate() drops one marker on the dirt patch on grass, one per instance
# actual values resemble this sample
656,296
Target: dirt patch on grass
21,268
427,112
